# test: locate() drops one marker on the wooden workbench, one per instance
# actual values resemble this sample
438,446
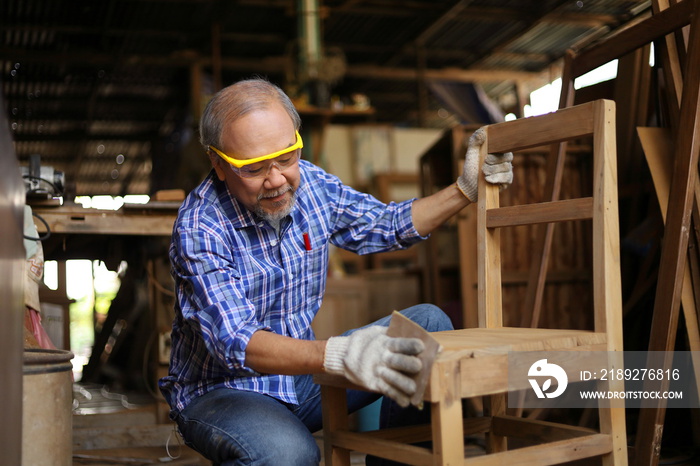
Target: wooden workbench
152,219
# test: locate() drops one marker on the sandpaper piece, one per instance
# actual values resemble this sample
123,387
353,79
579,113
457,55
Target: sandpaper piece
402,326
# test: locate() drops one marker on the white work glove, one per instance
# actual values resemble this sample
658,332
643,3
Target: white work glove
497,168
368,357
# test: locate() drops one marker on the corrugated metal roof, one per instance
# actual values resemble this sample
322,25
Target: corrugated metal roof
85,81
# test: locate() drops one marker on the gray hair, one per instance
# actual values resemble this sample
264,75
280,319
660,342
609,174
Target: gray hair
235,101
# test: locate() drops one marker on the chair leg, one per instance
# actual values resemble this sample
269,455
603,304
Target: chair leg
335,417
448,432
496,407
611,414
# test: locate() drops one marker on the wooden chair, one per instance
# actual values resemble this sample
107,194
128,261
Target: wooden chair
474,362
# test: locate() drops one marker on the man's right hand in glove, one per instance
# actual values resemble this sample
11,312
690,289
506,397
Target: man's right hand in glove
370,358
497,169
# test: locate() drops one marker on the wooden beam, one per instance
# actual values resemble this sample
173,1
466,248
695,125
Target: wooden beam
77,220
553,453
516,135
543,212
378,447
675,241
452,74
541,431
278,65
633,38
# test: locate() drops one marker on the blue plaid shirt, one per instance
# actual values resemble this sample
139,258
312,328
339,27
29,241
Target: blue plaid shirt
234,276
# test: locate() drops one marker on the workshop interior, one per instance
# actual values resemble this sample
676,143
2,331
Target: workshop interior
99,147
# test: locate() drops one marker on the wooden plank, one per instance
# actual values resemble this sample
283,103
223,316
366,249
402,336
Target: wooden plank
634,37
540,431
408,434
494,369
489,298
542,212
403,453
474,342
607,282
553,453
423,432
106,222
675,241
515,135
607,286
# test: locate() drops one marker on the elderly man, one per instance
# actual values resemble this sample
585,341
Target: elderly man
249,256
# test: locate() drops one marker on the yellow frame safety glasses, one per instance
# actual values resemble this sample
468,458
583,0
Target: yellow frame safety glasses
238,163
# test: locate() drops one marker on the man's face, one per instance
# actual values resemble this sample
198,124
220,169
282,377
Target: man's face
256,134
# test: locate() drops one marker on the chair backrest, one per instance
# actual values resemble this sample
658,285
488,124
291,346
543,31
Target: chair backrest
596,119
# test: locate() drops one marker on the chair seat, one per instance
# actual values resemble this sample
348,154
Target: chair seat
485,351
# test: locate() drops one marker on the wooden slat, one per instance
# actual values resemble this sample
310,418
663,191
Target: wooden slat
634,37
403,453
489,293
552,453
566,124
409,434
607,285
543,212
540,431
423,432
476,341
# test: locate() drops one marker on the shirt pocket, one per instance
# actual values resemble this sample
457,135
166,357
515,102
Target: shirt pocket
314,271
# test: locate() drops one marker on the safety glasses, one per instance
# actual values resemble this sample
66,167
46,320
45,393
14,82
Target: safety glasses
259,167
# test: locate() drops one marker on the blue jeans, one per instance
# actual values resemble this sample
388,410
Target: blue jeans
235,427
